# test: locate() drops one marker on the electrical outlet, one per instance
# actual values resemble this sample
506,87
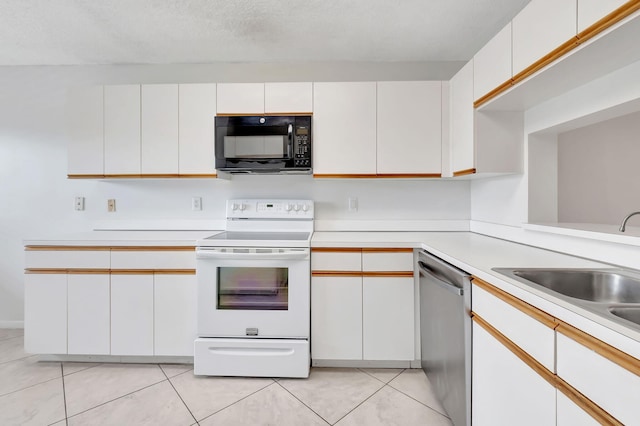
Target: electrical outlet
111,205
196,203
79,203
353,204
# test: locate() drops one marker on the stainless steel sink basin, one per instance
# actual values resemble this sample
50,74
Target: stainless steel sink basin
613,294
593,285
629,313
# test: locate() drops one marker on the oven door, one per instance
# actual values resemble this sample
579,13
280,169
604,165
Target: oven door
253,292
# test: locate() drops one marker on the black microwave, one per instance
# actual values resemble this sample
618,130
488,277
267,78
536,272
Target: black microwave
263,144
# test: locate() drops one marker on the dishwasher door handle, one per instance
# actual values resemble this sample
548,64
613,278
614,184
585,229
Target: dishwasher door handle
424,269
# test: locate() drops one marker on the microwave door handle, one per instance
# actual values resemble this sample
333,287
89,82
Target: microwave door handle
290,142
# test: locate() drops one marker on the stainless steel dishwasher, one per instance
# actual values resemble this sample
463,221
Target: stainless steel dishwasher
445,331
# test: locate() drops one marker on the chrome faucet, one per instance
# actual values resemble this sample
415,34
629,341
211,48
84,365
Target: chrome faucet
624,222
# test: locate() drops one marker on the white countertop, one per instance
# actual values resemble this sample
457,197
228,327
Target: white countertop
123,238
478,254
474,253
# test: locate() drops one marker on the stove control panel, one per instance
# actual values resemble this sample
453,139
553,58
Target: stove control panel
269,209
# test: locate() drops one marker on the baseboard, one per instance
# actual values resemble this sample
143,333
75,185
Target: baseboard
359,363
119,359
11,324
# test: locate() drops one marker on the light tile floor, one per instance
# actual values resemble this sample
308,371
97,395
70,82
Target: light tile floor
73,393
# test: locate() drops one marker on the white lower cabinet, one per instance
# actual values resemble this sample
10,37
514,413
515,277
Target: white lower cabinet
505,390
336,318
569,414
45,313
387,318
175,300
88,314
131,314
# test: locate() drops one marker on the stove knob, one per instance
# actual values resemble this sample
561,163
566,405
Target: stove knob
242,207
305,207
288,207
234,206
296,207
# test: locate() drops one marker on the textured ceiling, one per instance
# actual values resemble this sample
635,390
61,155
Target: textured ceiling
55,32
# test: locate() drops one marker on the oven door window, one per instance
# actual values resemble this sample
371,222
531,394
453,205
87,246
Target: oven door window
244,288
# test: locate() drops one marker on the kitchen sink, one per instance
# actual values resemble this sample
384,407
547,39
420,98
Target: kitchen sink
603,286
610,293
629,313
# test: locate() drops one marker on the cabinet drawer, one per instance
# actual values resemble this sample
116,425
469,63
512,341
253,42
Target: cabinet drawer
161,259
387,261
66,259
534,337
336,260
606,383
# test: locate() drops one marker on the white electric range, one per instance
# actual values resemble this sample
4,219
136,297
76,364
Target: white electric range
254,291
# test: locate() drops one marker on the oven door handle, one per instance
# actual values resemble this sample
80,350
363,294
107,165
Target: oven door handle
211,254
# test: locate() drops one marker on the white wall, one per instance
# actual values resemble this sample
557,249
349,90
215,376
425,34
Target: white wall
598,173
37,199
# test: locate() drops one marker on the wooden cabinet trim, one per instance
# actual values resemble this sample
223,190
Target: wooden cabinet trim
85,176
345,176
81,271
368,274
408,175
386,250
153,248
588,406
335,250
623,359
524,307
603,24
516,350
388,274
464,172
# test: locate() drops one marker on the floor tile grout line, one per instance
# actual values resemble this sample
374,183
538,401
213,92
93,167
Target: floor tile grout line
420,402
64,396
366,399
80,371
115,399
302,402
377,378
2,339
17,359
27,387
234,403
178,393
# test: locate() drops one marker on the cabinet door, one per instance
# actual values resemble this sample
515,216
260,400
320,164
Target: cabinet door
569,414
159,129
288,97
461,122
505,390
591,11
387,318
122,129
89,314
409,124
45,313
85,124
344,128
175,299
492,63
197,109
336,318
131,314
240,98
539,28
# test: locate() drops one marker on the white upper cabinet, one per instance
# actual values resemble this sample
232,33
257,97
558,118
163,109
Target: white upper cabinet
461,122
282,98
591,11
159,129
122,129
344,128
197,109
492,63
85,149
240,98
409,127
539,28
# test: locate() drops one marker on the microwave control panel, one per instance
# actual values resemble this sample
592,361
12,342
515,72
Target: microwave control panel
302,144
